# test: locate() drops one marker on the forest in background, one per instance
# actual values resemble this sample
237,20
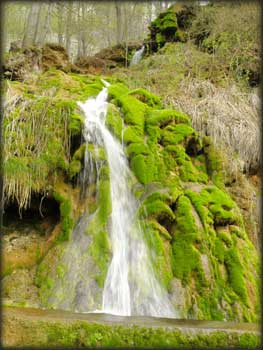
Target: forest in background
82,27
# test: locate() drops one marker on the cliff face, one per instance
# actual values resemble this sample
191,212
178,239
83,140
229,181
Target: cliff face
199,246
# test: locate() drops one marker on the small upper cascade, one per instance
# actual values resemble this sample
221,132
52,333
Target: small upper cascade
137,56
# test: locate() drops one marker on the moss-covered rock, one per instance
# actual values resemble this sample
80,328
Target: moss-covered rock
164,29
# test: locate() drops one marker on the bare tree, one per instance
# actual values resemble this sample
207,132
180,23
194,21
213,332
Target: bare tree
118,22
69,26
46,25
31,30
60,22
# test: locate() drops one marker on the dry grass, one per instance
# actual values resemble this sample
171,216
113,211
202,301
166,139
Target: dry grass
229,116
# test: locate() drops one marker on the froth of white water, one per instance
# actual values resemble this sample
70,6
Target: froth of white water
131,286
137,56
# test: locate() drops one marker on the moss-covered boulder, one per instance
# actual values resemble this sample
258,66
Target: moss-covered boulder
164,29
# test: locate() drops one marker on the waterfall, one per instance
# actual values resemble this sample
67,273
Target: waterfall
137,56
131,287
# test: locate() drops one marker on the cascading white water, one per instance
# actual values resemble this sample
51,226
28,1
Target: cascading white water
131,287
137,56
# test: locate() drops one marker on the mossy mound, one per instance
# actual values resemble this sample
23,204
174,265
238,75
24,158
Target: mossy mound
164,29
195,230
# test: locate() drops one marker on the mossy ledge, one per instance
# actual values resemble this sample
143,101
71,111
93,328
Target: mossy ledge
41,328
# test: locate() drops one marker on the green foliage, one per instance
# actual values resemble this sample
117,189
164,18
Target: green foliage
66,219
233,43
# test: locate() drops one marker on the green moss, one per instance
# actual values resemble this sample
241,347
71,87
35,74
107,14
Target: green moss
222,208
214,162
160,39
104,200
157,209
131,134
99,247
66,219
200,200
225,237
137,148
80,152
97,153
75,124
117,90
209,306
147,97
174,134
235,273
166,22
74,168
87,334
100,251
185,235
161,229
133,112
139,168
165,117
159,254
176,157
219,250
114,121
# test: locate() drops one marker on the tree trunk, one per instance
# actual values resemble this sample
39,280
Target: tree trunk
60,18
46,25
83,30
68,27
37,24
32,24
79,31
149,13
118,20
